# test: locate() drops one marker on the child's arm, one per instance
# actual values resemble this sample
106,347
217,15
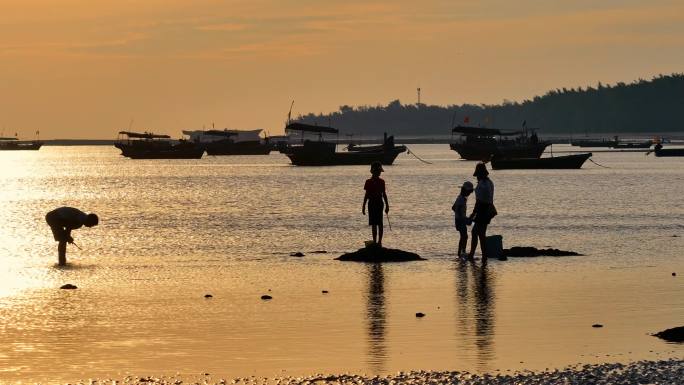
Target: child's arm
384,196
363,207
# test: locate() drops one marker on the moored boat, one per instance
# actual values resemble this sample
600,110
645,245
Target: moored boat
13,144
659,151
634,144
148,145
574,161
321,153
231,142
594,142
478,143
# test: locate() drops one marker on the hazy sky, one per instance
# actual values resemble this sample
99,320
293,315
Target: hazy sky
83,69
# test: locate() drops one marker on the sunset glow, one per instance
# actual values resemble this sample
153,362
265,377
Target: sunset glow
78,69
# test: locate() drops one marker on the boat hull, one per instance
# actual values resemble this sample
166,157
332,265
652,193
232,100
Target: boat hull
667,152
237,148
574,161
33,146
487,151
304,158
594,143
634,145
171,152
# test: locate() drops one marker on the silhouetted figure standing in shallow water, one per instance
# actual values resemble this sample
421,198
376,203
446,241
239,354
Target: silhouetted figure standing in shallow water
461,219
64,219
375,194
484,210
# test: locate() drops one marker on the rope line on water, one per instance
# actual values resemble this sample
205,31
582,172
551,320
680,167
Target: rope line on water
600,165
408,150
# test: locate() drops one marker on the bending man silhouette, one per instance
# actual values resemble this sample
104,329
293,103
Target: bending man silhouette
64,219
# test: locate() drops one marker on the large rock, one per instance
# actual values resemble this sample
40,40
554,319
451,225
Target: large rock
672,335
535,252
379,254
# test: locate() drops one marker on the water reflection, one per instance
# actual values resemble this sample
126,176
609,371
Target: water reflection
376,316
475,311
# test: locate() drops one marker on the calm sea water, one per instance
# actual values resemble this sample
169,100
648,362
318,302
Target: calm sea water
174,230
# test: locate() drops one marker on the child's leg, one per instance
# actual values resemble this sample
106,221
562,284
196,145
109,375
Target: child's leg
462,243
374,229
380,231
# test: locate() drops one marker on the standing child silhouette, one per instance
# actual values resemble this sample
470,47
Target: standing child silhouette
375,194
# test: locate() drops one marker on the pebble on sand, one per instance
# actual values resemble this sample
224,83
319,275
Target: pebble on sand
597,326
208,296
324,291
674,274
68,286
664,372
297,254
420,315
266,297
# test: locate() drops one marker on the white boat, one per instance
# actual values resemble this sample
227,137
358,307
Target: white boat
237,136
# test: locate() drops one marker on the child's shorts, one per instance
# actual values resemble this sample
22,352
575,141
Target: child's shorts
375,212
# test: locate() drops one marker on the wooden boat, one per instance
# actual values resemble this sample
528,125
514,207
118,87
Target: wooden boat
14,144
659,151
148,145
478,143
321,153
632,144
594,142
231,142
574,161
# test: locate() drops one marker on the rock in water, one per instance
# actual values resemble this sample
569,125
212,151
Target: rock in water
68,286
266,297
597,326
672,335
379,254
297,254
324,291
517,251
420,315
208,296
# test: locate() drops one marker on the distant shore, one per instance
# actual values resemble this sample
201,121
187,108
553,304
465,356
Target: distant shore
664,372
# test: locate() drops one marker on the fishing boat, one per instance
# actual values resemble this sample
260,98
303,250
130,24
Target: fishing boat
594,142
633,144
231,142
659,151
574,161
322,153
148,145
479,143
13,144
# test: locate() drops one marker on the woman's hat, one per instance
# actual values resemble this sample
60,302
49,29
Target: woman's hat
481,170
376,166
467,185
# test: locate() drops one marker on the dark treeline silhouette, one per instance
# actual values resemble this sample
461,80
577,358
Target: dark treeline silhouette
641,106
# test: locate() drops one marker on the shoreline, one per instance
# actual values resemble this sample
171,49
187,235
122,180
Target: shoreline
663,372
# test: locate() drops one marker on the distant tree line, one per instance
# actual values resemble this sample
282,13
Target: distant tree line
642,106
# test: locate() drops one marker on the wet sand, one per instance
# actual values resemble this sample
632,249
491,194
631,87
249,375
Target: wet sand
663,372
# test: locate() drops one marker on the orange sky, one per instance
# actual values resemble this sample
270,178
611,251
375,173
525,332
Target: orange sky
83,69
